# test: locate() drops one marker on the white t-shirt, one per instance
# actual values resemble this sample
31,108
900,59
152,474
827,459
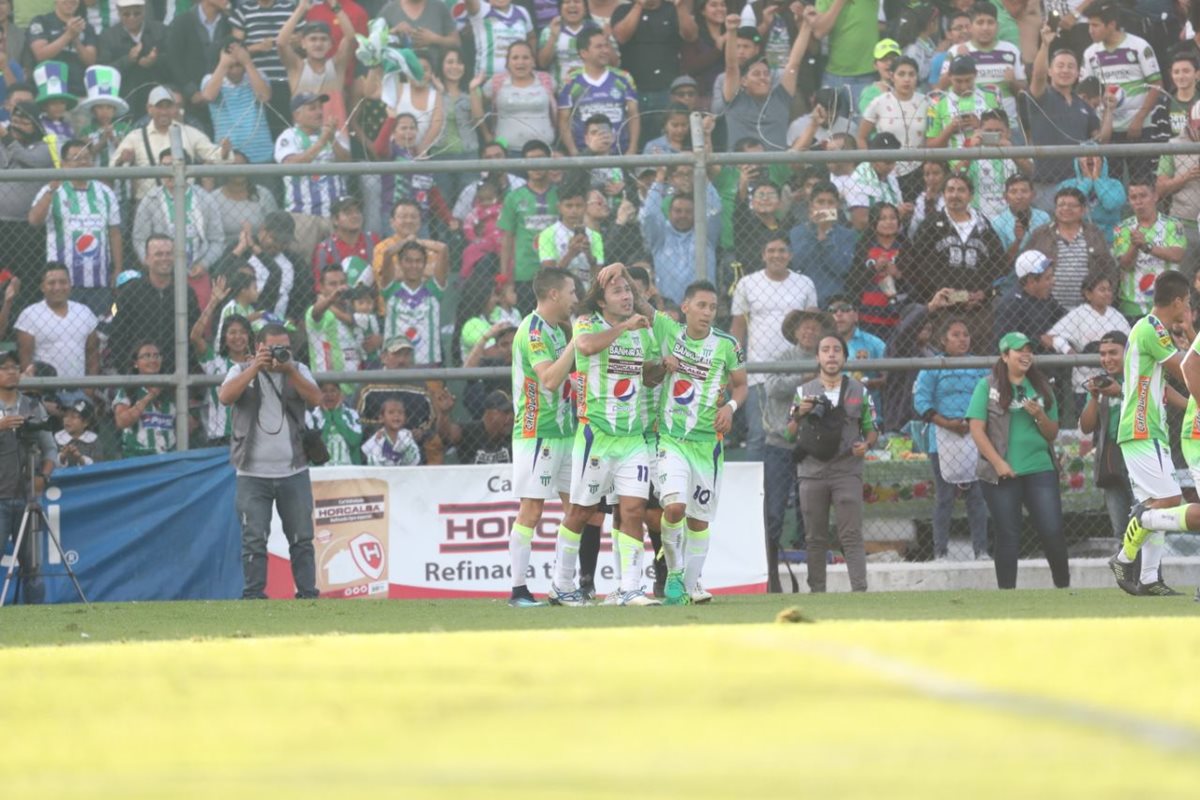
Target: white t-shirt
905,119
60,342
765,303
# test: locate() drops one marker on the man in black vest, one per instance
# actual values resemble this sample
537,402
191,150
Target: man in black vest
269,396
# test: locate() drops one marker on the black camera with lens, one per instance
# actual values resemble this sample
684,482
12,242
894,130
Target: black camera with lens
281,353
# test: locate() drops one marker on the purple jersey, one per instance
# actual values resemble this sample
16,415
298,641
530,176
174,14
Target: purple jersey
608,97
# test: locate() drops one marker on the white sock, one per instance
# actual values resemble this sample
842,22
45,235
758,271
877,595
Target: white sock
672,544
520,548
1122,558
1165,519
695,550
566,558
629,552
616,553
1152,553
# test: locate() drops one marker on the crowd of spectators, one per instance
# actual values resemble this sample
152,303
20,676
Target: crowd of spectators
435,268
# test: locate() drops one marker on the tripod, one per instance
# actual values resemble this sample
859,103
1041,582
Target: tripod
33,521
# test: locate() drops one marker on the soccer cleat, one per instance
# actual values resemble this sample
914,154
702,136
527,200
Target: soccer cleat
1135,534
1156,589
573,598
522,598
613,598
1124,574
637,597
700,596
675,593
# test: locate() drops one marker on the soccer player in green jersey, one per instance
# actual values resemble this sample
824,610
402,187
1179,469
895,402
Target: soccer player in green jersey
703,363
543,417
1145,445
614,351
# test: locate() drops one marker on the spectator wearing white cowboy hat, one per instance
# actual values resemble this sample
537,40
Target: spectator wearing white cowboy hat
54,100
109,112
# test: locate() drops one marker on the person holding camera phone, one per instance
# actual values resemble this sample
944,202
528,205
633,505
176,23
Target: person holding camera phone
841,406
1014,422
269,396
1100,417
17,412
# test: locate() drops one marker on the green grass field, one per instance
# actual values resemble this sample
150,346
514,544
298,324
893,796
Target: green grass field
1080,694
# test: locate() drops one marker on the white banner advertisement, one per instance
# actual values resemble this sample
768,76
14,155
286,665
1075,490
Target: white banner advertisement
423,532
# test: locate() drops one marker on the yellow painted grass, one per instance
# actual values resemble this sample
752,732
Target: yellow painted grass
699,712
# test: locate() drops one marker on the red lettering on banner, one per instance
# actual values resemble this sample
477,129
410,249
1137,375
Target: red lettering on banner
485,527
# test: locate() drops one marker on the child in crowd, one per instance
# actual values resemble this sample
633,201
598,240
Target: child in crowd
243,288
109,113
339,426
366,320
506,309
393,444
78,445
479,227
53,99
598,141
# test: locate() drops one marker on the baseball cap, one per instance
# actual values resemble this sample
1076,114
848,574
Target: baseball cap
160,94
344,202
304,98
130,3
885,48
1013,340
681,82
280,225
750,33
496,400
316,27
1031,262
396,344
963,65
127,276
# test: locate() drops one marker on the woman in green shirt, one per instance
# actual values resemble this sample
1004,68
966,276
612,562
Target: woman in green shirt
1014,421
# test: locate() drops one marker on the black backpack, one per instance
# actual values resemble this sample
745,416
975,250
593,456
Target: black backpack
820,432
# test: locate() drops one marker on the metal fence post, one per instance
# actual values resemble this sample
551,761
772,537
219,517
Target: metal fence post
700,195
181,289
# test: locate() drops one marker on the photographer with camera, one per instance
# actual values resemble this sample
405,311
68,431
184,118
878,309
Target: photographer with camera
833,425
1100,417
269,396
21,426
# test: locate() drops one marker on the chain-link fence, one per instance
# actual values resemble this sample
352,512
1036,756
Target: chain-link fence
921,261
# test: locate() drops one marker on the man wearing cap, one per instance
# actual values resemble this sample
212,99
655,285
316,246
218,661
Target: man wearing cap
237,95
348,245
875,182
64,35
141,146
312,139
428,404
83,229
1030,308
489,439
146,307
955,116
650,33
597,89
998,64
133,48
755,107
22,147
886,53
851,29
684,92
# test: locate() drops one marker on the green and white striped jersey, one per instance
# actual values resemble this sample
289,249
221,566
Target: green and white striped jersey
690,396
610,382
154,432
